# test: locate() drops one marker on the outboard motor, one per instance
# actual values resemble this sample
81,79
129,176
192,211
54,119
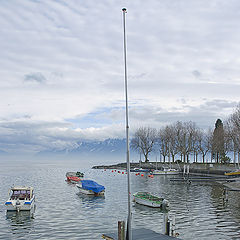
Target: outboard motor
18,205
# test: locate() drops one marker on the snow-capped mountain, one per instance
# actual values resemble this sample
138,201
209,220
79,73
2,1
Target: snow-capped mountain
108,147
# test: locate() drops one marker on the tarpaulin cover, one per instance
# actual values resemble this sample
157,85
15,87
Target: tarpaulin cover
91,185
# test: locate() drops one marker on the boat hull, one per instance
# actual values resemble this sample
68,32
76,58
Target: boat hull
139,170
232,173
89,187
19,205
165,173
147,203
149,200
89,192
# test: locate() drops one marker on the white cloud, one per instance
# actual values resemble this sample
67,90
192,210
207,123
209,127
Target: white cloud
64,59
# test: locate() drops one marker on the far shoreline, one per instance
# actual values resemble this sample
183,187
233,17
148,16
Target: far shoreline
202,168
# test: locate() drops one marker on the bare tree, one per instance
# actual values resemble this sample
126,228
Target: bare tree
162,143
143,141
185,138
233,129
205,143
172,135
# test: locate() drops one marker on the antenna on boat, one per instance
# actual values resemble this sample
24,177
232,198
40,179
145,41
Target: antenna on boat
129,230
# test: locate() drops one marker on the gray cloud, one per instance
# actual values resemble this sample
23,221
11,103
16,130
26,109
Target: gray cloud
35,77
196,73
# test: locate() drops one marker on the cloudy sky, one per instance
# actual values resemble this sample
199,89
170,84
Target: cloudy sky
62,69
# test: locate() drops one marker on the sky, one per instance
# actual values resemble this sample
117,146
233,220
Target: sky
62,68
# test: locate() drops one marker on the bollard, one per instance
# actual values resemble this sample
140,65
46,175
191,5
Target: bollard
121,230
173,229
225,195
166,224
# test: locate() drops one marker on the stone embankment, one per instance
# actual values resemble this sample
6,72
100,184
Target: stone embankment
201,168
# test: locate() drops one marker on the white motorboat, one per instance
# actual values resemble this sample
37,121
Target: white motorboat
20,199
90,187
166,171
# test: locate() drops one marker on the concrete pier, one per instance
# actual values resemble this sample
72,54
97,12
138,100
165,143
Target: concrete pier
141,234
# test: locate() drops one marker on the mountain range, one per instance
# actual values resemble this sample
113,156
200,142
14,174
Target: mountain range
109,148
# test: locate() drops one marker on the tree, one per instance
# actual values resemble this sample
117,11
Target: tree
143,141
186,133
172,138
204,143
233,129
162,143
218,141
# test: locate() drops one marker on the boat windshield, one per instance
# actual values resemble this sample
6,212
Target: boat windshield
20,194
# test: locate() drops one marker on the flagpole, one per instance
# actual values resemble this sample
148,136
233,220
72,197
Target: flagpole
129,230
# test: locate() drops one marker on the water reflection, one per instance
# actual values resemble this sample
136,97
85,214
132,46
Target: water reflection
145,210
21,217
91,201
21,222
63,213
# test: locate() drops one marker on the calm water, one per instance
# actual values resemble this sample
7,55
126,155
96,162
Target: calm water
61,213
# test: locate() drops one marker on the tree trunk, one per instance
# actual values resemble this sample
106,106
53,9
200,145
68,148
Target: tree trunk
146,157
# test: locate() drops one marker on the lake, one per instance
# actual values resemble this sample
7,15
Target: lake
62,213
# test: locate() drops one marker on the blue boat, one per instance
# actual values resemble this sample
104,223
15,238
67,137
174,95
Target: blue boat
90,187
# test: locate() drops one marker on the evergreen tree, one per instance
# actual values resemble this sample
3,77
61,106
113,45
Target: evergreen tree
218,141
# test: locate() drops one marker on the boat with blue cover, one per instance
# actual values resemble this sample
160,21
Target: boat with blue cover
90,187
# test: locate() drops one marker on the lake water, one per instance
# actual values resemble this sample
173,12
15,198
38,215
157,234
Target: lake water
61,213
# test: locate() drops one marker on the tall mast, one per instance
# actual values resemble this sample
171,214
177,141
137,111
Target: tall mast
129,230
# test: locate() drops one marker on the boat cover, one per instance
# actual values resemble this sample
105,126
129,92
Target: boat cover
91,185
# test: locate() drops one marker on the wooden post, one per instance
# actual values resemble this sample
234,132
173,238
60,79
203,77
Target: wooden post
121,230
166,224
173,233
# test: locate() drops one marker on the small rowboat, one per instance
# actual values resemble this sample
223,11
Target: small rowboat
147,199
90,187
237,172
72,177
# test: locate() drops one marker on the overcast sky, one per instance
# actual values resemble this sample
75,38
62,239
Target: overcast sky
62,69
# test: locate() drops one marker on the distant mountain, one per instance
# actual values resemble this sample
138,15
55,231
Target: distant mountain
108,147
